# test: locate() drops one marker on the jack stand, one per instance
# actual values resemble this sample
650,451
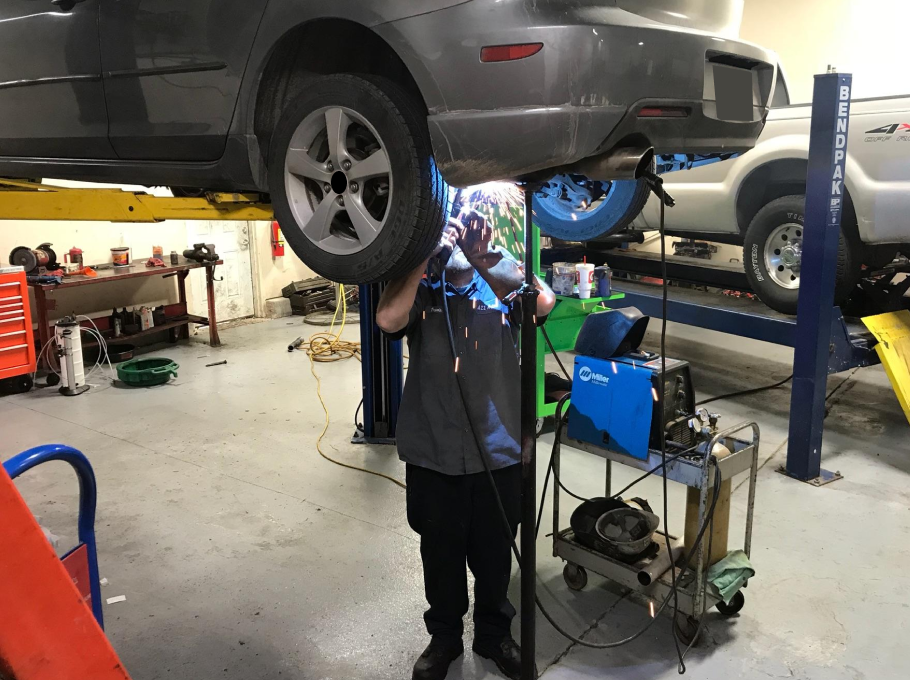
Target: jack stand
529,446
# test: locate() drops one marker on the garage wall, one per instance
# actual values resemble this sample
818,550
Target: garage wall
863,37
273,273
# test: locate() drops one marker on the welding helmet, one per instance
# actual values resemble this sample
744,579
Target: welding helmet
612,333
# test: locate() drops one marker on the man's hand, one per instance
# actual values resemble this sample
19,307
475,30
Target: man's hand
449,238
475,239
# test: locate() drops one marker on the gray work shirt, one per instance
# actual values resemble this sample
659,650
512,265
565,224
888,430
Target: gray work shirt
433,429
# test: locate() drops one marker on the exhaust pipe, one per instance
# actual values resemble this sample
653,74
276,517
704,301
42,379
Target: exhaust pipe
628,162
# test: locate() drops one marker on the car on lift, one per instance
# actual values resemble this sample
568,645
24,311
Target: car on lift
758,199
357,116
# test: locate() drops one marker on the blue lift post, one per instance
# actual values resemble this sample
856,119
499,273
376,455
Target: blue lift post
825,196
382,369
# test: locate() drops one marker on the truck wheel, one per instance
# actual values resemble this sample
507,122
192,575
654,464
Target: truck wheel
353,181
772,250
574,208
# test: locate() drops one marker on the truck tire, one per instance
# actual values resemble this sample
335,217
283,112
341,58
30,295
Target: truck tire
381,213
772,251
623,202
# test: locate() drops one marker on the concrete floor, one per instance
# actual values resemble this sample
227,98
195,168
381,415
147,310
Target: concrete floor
243,555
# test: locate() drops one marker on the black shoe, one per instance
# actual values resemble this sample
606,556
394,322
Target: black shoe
434,663
507,657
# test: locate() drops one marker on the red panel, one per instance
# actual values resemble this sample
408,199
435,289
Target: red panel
17,338
76,565
46,631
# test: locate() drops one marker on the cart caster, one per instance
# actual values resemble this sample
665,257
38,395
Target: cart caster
52,379
735,606
19,384
687,630
576,577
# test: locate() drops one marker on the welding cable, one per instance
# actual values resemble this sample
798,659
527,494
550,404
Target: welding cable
328,347
484,457
658,185
745,393
546,337
543,494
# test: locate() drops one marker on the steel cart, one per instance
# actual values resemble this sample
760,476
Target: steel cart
696,595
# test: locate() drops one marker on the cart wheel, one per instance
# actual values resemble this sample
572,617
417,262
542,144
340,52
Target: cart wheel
20,384
735,606
576,577
686,630
52,379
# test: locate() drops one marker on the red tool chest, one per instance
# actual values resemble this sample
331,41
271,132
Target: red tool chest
17,341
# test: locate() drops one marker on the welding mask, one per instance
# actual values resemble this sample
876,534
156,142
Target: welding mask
612,333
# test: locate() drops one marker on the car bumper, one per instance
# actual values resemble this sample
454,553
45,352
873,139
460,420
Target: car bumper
579,96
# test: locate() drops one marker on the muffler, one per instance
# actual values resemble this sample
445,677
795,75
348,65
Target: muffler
627,162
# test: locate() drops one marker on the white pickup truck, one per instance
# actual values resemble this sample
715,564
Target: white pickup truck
757,199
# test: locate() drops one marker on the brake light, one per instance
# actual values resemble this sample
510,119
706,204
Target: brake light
494,53
664,112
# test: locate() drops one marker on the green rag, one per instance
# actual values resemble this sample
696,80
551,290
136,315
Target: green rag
729,575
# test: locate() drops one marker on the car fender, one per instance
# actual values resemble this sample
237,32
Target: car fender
281,17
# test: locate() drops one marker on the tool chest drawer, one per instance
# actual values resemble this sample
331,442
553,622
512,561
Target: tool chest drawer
17,344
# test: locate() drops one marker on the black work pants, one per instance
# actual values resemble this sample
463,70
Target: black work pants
459,521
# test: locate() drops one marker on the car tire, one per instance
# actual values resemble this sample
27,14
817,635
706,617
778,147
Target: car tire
624,202
399,215
768,267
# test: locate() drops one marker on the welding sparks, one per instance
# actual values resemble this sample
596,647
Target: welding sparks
466,331
651,607
613,364
424,314
475,344
484,197
654,392
503,319
457,361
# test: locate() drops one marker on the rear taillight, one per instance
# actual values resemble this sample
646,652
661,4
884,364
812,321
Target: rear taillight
664,112
494,53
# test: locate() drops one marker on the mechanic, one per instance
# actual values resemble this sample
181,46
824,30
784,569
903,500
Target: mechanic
450,502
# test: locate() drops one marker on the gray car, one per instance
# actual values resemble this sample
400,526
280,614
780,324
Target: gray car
356,115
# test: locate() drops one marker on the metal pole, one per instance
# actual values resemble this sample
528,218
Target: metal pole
825,195
382,372
528,449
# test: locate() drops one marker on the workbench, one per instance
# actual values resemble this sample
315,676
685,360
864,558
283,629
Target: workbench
178,323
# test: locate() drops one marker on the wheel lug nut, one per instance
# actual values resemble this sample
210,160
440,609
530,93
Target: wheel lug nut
354,187
327,187
346,165
341,201
330,167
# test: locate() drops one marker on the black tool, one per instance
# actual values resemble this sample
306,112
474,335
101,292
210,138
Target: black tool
295,345
201,252
35,261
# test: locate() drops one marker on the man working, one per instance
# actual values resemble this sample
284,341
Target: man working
450,502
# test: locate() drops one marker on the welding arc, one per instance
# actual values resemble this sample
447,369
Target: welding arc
484,457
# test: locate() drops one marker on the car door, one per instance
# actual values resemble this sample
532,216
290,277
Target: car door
51,95
172,73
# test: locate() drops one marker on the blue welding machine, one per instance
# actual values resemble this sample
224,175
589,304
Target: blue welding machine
614,398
